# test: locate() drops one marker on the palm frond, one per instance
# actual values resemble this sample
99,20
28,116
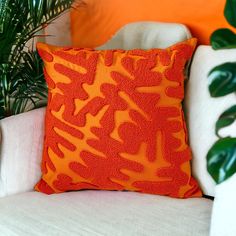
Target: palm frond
28,86
22,85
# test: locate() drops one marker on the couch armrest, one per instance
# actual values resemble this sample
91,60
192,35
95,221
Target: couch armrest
21,151
224,209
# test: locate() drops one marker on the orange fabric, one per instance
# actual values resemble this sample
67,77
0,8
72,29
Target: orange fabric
95,23
114,121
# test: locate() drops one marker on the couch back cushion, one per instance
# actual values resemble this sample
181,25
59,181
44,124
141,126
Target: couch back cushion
93,24
147,35
203,111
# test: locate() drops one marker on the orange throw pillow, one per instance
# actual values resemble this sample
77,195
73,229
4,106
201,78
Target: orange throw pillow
114,121
96,22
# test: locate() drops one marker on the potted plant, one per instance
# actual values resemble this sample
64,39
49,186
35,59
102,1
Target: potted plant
221,158
22,85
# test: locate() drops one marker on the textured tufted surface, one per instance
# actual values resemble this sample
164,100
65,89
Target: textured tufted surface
114,121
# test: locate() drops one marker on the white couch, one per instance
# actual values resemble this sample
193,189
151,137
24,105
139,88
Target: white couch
24,212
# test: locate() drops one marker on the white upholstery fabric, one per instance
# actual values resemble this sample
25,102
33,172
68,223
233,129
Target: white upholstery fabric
224,209
203,111
143,35
21,151
94,213
146,35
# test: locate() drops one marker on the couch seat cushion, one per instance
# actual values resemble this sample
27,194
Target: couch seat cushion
93,213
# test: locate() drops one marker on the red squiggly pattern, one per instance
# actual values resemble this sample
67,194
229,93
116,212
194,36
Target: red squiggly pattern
114,121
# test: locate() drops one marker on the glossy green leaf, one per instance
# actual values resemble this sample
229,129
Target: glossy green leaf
221,159
223,39
222,79
230,12
227,118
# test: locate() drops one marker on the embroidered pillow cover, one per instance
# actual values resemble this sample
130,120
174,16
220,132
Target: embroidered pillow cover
114,121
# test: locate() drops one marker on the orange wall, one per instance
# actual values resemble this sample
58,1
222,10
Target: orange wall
95,23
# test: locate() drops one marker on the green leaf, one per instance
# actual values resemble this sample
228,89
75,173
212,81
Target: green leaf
230,12
223,39
221,159
222,79
227,118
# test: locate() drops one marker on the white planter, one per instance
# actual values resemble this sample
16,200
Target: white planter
223,221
